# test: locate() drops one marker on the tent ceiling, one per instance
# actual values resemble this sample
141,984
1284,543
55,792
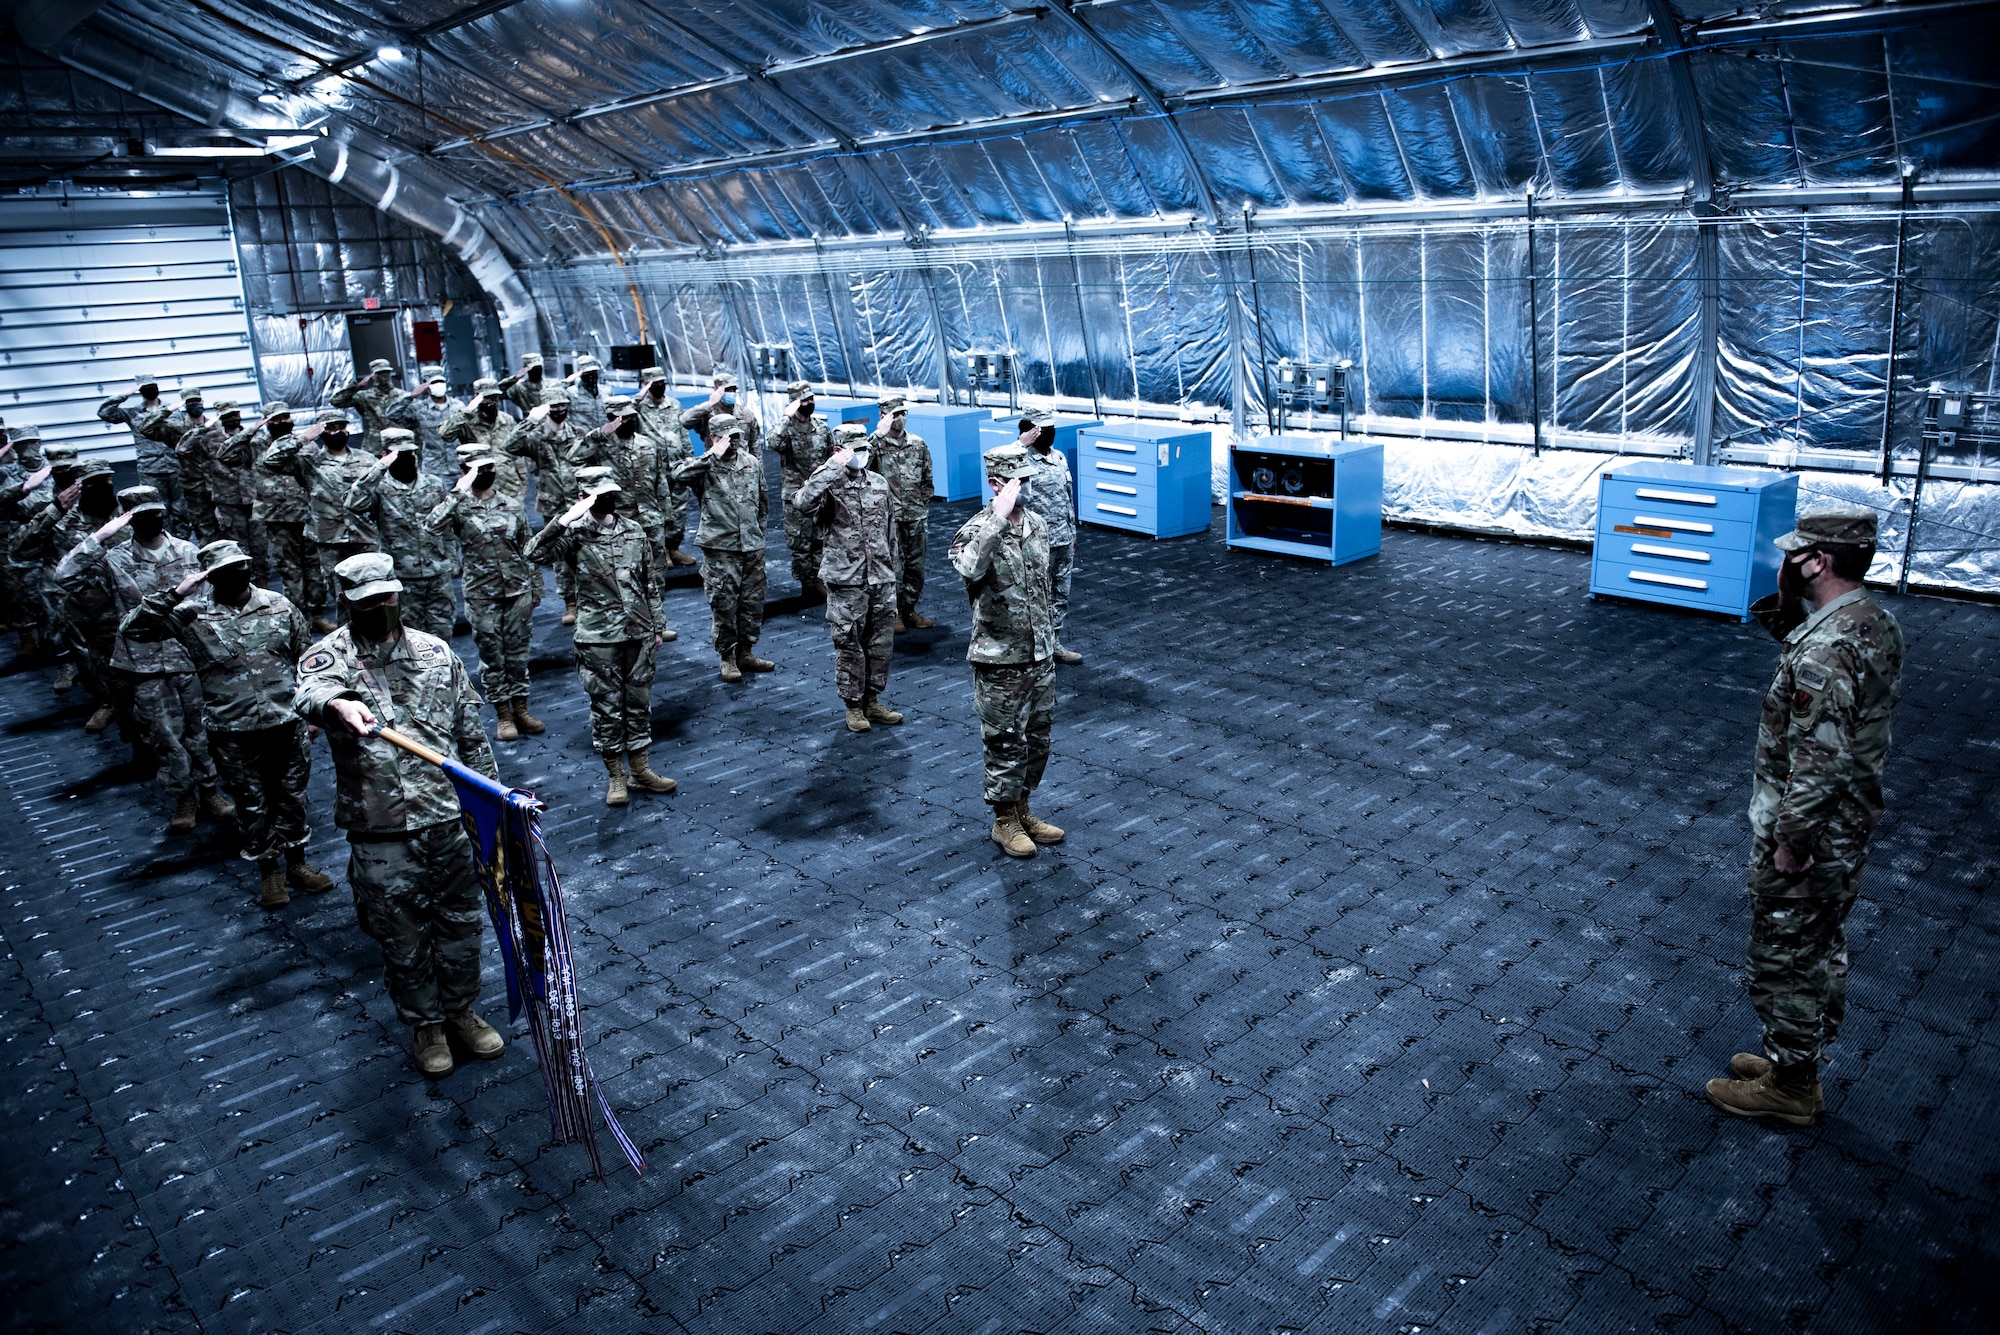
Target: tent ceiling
644,125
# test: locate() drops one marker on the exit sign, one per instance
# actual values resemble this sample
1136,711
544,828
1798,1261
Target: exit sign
371,303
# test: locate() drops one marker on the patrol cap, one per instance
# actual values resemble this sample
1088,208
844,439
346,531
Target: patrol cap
621,406
368,575
652,373
848,432
330,415
725,425
597,480
1038,417
892,403
222,552
190,395
137,500
470,449
400,439
29,431
277,408
1007,461
530,359
95,468
380,364
723,379
587,363
436,379
797,390
60,452
478,461
145,378
486,384
1834,526
228,406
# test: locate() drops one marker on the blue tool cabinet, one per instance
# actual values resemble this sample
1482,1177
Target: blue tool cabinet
1306,496
1691,536
953,437
1145,477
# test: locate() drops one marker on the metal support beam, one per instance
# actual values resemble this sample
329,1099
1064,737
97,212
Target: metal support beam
1708,243
1862,19
1895,320
1387,78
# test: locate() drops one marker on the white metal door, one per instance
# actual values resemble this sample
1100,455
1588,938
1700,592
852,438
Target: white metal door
96,289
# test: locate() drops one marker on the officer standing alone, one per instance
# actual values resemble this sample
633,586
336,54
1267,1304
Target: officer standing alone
1821,748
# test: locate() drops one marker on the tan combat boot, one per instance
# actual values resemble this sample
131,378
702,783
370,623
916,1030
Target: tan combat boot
614,770
65,678
669,635
900,627
1035,827
569,612
857,717
680,558
877,712
1069,656
301,875
100,719
507,731
1007,831
1748,1066
275,895
730,672
749,661
527,722
183,817
432,1050
918,621
215,806
475,1033
1788,1094
321,625
641,770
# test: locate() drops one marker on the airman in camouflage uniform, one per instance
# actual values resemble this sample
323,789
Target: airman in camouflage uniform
410,862
232,486
396,498
379,402
802,443
502,587
1002,553
660,418
851,510
155,448
618,627
481,425
722,401
1821,749
905,460
528,388
174,431
327,466
635,460
729,478
245,644
1049,494
546,438
156,676
83,616
279,506
586,399
24,489
430,408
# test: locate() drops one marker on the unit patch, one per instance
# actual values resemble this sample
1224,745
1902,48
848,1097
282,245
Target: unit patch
319,661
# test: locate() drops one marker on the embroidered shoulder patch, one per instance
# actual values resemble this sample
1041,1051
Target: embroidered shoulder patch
317,661
1801,701
1813,676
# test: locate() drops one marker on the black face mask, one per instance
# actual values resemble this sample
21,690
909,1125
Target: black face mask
281,427
657,390
404,466
98,498
335,440
534,373
488,411
604,505
589,382
231,584
483,480
627,427
1792,578
148,525
376,623
559,417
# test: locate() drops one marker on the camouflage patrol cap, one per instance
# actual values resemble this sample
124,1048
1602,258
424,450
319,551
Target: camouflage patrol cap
530,359
380,364
725,425
890,404
368,575
723,380
145,378
29,431
222,552
190,395
588,363
277,408
228,406
1008,461
620,405
59,453
1038,417
486,384
652,373
848,432
136,500
798,389
470,449
1834,526
475,462
94,468
596,480
400,439
328,415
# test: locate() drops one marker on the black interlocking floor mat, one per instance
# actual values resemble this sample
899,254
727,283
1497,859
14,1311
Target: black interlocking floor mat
1397,928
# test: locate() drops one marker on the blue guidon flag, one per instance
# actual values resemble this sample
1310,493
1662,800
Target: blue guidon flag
524,898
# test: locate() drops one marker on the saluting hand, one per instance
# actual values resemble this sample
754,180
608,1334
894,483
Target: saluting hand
1007,498
464,484
116,523
190,584
800,408
67,497
538,413
36,478
310,432
840,456
578,511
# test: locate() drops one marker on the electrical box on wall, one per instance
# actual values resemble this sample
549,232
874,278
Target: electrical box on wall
771,362
633,356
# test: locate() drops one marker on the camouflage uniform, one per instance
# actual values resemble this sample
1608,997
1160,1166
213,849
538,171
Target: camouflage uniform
380,406
548,446
83,616
246,658
425,557
501,586
233,487
695,420
660,418
21,602
636,462
617,617
802,443
196,499
1821,747
410,862
587,403
1049,497
529,392
905,460
281,507
158,467
852,508
157,677
428,414
510,473
734,501
335,532
1005,567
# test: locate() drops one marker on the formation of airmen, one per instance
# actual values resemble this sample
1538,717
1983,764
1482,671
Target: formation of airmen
281,572
219,682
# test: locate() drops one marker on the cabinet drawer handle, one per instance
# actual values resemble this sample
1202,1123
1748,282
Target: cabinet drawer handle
1118,510
1119,449
1103,467
1677,553
1684,497
1122,491
1686,525
1677,581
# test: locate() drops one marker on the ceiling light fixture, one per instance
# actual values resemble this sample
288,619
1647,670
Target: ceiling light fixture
388,54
